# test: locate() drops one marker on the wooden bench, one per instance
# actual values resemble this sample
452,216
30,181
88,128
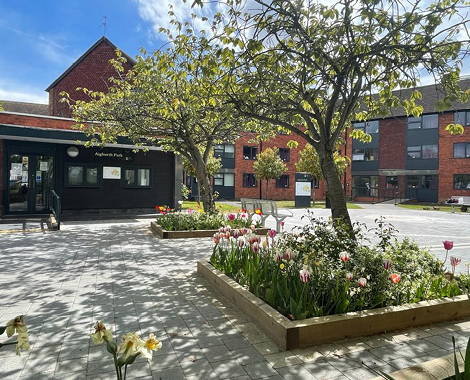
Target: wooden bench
462,202
267,208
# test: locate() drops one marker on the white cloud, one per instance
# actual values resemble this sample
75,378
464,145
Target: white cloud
22,93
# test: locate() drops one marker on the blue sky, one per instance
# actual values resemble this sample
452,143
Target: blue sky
41,38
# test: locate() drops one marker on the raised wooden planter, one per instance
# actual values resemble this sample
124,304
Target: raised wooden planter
313,331
164,234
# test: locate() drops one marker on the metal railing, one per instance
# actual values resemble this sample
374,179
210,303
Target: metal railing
55,206
379,194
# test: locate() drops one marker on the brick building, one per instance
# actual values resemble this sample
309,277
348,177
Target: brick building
40,152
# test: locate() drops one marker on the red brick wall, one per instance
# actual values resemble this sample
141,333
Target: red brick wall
246,166
92,72
392,143
35,121
448,166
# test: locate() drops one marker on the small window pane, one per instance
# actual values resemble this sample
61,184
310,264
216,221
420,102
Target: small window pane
414,152
459,118
461,181
414,125
229,180
229,151
459,150
358,155
218,182
143,177
75,175
129,177
430,151
92,176
372,127
430,121
360,126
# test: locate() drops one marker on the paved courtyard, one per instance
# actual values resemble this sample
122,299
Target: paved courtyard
119,273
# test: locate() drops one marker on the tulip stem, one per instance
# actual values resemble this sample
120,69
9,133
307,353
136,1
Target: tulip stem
7,344
118,370
125,372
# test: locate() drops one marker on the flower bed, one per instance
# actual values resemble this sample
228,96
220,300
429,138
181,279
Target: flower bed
165,234
322,271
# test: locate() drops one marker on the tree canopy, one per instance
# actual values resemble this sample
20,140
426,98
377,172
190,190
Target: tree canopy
268,165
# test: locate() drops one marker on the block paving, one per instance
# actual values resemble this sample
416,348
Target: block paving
121,274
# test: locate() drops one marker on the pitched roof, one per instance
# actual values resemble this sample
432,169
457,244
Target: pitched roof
82,57
25,107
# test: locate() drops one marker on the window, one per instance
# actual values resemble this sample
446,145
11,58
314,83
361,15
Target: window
368,126
284,154
224,150
366,154
82,176
250,152
249,180
423,122
462,118
136,177
462,181
392,182
462,150
422,182
315,183
283,181
422,151
227,179
365,186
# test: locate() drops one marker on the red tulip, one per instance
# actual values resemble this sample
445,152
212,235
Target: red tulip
272,233
362,282
231,217
344,256
448,245
395,278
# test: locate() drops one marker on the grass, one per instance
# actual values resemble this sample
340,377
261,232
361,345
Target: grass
430,206
224,207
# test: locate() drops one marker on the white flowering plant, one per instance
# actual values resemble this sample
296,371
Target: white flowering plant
126,352
16,326
320,269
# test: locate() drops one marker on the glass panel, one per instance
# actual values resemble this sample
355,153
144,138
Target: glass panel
229,151
370,154
462,181
430,151
229,180
358,155
18,184
44,181
129,177
414,152
218,182
414,125
75,175
468,151
92,176
459,150
392,182
430,121
143,177
459,118
430,182
413,181
372,127
359,125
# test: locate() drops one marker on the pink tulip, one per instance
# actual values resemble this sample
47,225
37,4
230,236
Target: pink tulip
362,282
236,233
272,233
190,211
216,238
231,217
454,261
387,264
243,216
289,254
252,227
228,229
244,231
282,224
241,241
304,276
344,256
227,235
448,245
278,257
222,229
255,247
349,276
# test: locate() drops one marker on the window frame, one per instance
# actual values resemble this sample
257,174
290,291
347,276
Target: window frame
466,122
467,149
365,153
99,175
136,176
467,187
367,125
418,122
251,176
285,151
279,184
421,152
251,156
223,151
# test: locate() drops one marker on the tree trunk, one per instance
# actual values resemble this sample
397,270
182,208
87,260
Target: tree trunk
267,189
205,187
335,191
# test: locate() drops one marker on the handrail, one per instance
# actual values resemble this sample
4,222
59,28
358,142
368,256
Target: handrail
56,207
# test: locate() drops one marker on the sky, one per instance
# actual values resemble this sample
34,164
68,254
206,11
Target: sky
40,39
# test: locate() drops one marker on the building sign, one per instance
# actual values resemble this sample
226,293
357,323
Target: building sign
118,154
303,189
111,172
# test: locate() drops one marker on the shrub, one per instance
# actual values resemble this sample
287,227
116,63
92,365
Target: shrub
320,270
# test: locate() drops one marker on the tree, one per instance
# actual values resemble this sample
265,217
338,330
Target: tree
268,165
309,162
171,98
213,165
311,69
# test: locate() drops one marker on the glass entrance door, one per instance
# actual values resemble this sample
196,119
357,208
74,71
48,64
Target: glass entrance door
30,181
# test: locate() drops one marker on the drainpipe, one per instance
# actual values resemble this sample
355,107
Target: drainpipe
260,181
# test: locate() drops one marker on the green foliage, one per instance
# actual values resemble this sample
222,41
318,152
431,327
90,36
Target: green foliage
268,164
213,165
184,191
310,163
197,220
272,268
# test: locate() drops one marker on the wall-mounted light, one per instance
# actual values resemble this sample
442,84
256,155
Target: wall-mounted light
72,151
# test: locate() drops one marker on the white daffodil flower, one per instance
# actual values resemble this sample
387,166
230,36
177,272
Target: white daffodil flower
23,342
150,345
130,344
101,333
17,325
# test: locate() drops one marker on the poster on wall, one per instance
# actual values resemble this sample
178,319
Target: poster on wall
43,166
16,169
303,189
111,172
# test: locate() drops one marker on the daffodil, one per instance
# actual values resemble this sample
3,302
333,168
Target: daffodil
101,333
131,344
23,342
17,325
150,345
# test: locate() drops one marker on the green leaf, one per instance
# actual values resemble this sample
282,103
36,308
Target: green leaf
131,359
111,346
456,363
